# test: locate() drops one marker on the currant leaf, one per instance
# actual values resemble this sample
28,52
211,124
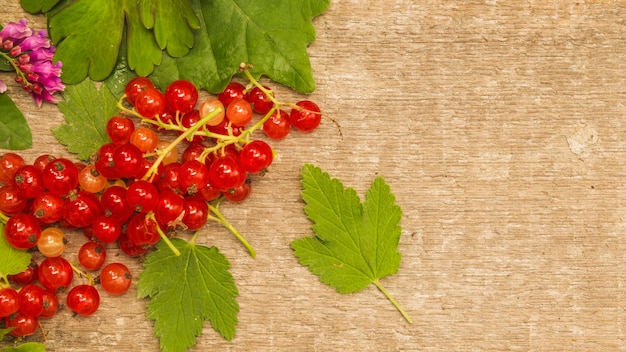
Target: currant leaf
37,6
185,291
25,347
171,32
12,261
355,244
15,134
86,110
272,36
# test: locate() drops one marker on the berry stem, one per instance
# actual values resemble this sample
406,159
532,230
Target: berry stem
83,274
3,218
393,300
164,236
219,217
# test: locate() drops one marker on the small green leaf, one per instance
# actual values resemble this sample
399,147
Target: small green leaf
26,347
355,244
171,32
15,133
12,261
185,291
86,110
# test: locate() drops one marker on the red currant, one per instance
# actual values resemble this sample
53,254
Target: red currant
48,208
83,300
150,103
119,129
239,112
196,212
226,173
238,194
11,200
60,176
277,126
306,116
22,324
115,278
128,160
129,248
142,230
209,106
104,162
50,304
256,156
82,209
55,273
22,231
168,209
192,176
142,196
28,180
9,301
234,90
31,300
92,255
181,96
145,139
52,242
9,163
29,275
261,103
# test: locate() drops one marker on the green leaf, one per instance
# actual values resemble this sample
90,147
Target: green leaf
26,347
271,35
355,244
185,291
88,35
38,6
86,110
12,261
15,134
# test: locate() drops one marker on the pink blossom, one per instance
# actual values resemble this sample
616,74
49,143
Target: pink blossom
15,31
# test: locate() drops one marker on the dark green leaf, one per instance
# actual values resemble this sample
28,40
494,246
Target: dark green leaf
15,133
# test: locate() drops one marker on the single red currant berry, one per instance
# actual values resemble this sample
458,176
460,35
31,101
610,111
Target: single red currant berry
22,231
226,173
9,301
114,204
55,273
50,304
9,163
142,196
60,176
136,86
209,193
119,129
92,255
145,139
150,103
214,106
261,103
277,126
83,300
28,180
256,156
48,208
239,112
234,90
306,116
31,300
142,230
11,200
169,209
115,278
22,324
106,229
82,209
42,160
181,96
193,175
90,180
193,151
196,212
169,179
128,160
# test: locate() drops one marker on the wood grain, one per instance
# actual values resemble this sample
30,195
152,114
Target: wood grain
497,125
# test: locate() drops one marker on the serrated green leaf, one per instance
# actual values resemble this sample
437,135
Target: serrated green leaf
12,261
15,134
26,347
355,244
38,6
272,36
86,110
185,291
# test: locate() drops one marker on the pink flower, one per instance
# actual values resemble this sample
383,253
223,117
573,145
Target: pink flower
15,31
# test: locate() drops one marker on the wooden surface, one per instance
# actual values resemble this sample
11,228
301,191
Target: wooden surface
497,124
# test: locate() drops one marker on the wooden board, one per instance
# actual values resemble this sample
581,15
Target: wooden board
497,124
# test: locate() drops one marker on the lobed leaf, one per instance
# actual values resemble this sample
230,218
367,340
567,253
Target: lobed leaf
185,291
86,110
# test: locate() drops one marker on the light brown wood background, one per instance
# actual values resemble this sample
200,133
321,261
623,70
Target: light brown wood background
497,124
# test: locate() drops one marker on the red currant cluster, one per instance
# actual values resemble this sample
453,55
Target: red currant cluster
34,199
137,190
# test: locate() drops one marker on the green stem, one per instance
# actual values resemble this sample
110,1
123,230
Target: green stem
11,62
219,217
164,236
3,218
393,300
